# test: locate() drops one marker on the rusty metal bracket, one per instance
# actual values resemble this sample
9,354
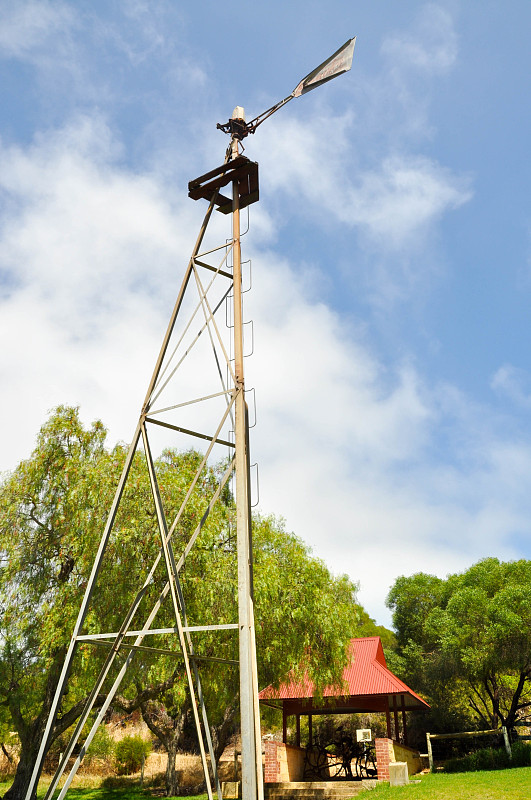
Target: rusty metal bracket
241,171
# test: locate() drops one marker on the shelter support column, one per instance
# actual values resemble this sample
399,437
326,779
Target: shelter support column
310,729
388,722
284,724
404,721
298,730
395,716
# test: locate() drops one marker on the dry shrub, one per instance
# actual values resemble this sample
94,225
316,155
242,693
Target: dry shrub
190,773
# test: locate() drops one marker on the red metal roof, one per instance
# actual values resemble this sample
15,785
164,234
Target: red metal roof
366,674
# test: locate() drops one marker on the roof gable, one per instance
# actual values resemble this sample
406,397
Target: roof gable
366,674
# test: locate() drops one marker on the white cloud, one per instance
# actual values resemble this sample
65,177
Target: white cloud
325,382
430,47
26,28
514,383
351,454
403,199
393,205
79,231
87,250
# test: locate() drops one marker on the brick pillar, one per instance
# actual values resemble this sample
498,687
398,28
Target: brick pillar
272,764
382,758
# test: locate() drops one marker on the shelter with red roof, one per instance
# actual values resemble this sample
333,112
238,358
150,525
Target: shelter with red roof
368,686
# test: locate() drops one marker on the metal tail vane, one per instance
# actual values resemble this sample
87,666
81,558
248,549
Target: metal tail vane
336,64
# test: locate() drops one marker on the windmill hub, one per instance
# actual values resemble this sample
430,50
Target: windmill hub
236,126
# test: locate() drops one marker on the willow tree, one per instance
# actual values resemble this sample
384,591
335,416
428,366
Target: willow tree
52,510
53,507
305,618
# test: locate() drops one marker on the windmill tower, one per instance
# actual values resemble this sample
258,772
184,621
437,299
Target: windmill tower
196,394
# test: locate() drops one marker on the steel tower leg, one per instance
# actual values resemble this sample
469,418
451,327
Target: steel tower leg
249,712
37,768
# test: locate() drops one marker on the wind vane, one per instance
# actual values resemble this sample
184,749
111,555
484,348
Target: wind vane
224,424
335,65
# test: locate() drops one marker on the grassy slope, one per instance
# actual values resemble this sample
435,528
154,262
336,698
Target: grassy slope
509,784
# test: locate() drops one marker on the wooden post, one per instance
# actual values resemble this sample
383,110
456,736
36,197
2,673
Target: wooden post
404,723
388,722
395,715
310,729
298,730
430,753
284,724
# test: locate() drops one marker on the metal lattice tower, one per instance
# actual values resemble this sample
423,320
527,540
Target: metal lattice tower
196,394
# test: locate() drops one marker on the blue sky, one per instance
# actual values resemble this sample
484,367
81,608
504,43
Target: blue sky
391,251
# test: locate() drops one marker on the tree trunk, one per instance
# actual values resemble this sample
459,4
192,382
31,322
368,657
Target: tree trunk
172,778
515,704
28,756
221,733
30,735
168,731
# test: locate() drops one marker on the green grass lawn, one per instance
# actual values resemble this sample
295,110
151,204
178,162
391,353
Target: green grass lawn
507,784
94,788
132,792
95,793
105,793
510,784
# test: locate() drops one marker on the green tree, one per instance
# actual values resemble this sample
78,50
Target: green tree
130,752
52,512
45,538
468,639
367,627
305,618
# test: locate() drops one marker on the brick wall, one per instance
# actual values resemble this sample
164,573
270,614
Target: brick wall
384,755
388,751
272,766
283,762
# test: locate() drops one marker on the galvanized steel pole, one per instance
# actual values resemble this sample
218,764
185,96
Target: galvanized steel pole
245,615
